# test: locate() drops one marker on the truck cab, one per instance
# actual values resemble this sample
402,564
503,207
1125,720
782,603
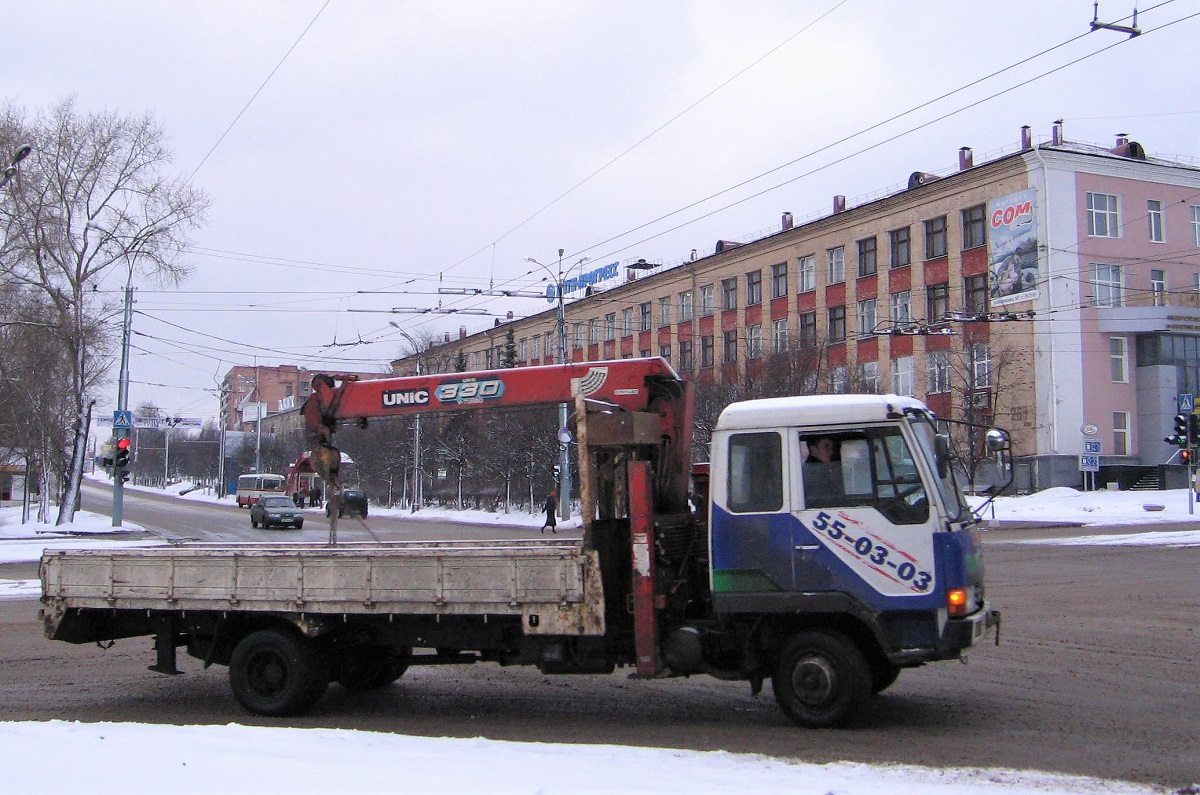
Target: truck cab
839,515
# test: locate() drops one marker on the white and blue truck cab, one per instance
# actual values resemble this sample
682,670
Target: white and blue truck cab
841,549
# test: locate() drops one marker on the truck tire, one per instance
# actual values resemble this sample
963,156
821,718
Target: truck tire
369,668
277,673
821,679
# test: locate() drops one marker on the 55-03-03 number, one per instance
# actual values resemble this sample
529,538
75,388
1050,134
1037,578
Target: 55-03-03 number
877,556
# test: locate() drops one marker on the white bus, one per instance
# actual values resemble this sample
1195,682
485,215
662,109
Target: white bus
252,488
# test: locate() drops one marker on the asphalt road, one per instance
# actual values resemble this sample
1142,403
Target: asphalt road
1096,674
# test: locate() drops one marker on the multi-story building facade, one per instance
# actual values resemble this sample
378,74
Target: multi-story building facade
1052,291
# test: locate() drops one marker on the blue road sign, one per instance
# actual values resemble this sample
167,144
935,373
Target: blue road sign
1187,403
122,420
1091,446
1089,463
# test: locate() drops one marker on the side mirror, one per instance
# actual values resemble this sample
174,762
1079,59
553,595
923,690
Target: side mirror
995,440
941,450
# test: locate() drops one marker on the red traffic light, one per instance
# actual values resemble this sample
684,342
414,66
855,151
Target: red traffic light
123,444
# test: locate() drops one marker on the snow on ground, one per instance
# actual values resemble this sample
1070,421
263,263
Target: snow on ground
321,760
294,761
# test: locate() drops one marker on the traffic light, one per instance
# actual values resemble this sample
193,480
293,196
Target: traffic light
121,458
1193,430
1185,457
1179,436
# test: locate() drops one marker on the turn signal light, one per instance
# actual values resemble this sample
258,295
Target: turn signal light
956,600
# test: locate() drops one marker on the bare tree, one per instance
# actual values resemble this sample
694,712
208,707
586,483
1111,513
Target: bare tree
90,199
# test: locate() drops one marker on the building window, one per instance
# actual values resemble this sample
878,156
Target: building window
937,302
838,379
779,335
1154,212
522,350
664,351
708,300
1119,357
1102,217
478,357
487,359
664,311
902,376
902,307
938,372
686,360
1195,225
536,347
779,282
837,323
753,288
706,351
806,269
868,317
610,327
685,306
644,353
1108,284
577,336
835,265
644,316
974,228
593,331
868,377
728,294
627,321
867,265
1158,287
754,342
979,366
901,247
975,294
806,333
729,347
1120,433
935,237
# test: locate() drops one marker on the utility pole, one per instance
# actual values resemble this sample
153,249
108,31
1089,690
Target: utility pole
417,484
123,403
564,444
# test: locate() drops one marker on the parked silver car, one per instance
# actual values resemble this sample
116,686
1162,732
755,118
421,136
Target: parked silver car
276,511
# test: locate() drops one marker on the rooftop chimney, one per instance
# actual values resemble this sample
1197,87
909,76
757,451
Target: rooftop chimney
966,158
446,338
1026,138
839,204
1056,133
1122,139
462,332
787,221
509,316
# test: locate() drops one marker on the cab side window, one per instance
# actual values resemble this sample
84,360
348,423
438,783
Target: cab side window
755,472
870,467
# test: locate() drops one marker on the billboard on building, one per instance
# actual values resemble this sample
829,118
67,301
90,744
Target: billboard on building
1013,248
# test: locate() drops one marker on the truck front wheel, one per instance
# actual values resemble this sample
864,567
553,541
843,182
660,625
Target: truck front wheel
277,673
821,679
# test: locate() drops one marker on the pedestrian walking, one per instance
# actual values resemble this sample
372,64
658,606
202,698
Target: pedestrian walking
551,523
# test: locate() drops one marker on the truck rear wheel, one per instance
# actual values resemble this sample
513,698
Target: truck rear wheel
277,673
369,668
821,679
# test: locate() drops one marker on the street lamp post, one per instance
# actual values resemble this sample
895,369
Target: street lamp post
11,169
564,449
417,483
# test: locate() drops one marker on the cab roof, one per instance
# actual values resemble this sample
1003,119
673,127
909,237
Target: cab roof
813,410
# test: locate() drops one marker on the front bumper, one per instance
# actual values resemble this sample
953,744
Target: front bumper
962,633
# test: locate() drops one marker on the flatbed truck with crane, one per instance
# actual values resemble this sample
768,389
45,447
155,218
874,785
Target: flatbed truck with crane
754,567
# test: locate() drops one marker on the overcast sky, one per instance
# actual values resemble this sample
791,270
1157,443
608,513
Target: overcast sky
389,148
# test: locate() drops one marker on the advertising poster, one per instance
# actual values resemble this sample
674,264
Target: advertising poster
1013,248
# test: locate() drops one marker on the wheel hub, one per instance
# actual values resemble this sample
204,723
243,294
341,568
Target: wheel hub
814,681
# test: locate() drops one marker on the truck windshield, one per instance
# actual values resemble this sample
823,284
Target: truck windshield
952,497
